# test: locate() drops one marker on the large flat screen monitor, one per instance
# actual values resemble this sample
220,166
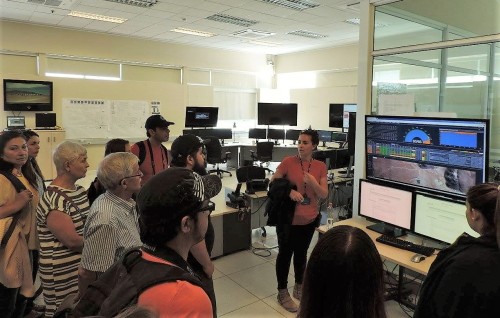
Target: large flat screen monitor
257,133
22,95
201,116
222,133
440,218
442,155
277,114
387,204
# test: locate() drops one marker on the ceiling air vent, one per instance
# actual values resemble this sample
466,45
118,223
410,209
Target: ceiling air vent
298,5
224,18
307,34
252,34
62,4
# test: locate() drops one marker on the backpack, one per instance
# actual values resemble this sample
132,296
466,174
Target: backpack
19,186
120,286
142,151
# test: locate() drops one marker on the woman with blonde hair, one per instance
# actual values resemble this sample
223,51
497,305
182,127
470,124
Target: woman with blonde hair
61,217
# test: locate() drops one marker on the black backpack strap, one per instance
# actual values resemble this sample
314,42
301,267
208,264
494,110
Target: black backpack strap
142,151
19,186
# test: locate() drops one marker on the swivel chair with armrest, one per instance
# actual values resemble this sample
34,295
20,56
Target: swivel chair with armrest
248,173
264,154
215,155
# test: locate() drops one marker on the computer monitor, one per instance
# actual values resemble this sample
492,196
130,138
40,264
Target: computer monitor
440,218
202,133
222,133
201,116
388,205
441,155
340,159
336,116
292,134
45,120
339,137
257,133
276,134
325,136
277,114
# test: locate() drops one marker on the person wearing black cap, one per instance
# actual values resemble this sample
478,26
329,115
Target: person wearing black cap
189,151
173,209
153,156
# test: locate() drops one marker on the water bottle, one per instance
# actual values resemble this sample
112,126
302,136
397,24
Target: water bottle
330,216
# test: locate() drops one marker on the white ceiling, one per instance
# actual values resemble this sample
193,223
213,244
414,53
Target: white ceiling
154,23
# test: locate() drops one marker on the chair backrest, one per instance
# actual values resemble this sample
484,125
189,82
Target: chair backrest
265,151
244,174
214,150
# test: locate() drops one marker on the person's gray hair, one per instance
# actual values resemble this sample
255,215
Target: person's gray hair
66,152
114,167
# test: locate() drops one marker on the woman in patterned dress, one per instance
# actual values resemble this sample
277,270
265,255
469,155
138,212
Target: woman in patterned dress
61,217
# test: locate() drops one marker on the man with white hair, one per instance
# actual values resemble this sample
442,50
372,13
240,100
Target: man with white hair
112,225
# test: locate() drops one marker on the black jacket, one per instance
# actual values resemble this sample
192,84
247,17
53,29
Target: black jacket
280,208
463,281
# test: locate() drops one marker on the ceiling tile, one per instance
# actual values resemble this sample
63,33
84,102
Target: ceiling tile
74,22
45,18
99,26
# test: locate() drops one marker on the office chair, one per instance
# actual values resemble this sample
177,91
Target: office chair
264,153
244,174
215,155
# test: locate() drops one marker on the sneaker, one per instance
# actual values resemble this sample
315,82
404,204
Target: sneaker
297,291
286,301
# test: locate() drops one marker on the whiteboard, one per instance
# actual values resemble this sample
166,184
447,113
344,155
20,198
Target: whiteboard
99,118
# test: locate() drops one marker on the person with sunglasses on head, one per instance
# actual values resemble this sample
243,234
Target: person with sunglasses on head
308,176
111,226
189,151
174,207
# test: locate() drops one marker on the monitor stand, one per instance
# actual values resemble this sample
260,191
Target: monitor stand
387,229
324,144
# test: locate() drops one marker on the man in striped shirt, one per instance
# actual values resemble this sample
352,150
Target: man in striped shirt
112,225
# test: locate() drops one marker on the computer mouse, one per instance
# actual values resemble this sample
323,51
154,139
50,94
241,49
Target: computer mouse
417,258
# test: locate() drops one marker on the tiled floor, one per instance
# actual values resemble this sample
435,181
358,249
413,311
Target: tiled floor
245,284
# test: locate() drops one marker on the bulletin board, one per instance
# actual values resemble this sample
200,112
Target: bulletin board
104,119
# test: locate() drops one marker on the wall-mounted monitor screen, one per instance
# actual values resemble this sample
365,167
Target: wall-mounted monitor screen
440,218
257,133
201,116
445,155
275,134
277,114
22,95
336,119
387,204
292,134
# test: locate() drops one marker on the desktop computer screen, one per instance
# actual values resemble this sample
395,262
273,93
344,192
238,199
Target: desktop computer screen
386,204
440,218
275,134
257,133
339,137
324,136
292,134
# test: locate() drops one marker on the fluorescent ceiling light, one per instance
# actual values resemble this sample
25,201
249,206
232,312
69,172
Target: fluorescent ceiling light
357,21
224,18
307,34
264,43
81,76
137,3
97,17
193,32
252,34
298,5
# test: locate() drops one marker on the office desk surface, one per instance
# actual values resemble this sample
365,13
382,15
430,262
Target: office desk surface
395,255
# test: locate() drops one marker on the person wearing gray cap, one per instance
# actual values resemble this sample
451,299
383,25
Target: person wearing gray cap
173,209
153,156
188,151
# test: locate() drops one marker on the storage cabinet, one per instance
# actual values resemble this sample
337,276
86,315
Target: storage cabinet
49,139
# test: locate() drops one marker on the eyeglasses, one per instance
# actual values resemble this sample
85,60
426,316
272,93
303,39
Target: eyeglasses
209,206
140,174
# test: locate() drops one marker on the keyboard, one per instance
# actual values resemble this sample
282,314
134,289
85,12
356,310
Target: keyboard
405,245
